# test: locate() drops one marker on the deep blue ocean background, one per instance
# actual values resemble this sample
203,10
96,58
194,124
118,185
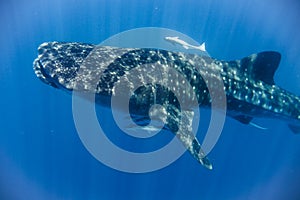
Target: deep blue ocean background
41,155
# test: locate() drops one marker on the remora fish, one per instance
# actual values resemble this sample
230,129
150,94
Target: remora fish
248,83
184,44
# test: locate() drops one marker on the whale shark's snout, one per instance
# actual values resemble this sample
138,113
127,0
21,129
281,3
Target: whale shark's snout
45,65
57,63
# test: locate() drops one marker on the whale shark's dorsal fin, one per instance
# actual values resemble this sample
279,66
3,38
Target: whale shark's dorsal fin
262,66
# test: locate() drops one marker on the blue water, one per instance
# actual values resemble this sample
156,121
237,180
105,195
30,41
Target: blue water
41,155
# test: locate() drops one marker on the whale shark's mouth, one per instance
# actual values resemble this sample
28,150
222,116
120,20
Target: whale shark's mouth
42,74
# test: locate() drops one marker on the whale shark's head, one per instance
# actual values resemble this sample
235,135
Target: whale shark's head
58,63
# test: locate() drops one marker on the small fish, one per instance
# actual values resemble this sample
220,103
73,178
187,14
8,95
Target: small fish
176,40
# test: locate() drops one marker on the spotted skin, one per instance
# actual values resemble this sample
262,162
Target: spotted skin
248,84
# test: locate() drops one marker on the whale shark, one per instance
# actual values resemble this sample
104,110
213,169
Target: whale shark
248,84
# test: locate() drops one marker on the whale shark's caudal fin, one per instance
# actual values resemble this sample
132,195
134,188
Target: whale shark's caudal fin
262,66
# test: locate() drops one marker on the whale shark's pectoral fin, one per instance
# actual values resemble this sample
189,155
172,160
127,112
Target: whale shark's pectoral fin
243,119
247,120
186,136
294,128
194,147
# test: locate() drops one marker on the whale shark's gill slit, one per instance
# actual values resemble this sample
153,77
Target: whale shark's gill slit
124,63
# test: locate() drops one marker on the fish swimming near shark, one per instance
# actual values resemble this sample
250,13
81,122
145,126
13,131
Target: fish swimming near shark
247,83
184,44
